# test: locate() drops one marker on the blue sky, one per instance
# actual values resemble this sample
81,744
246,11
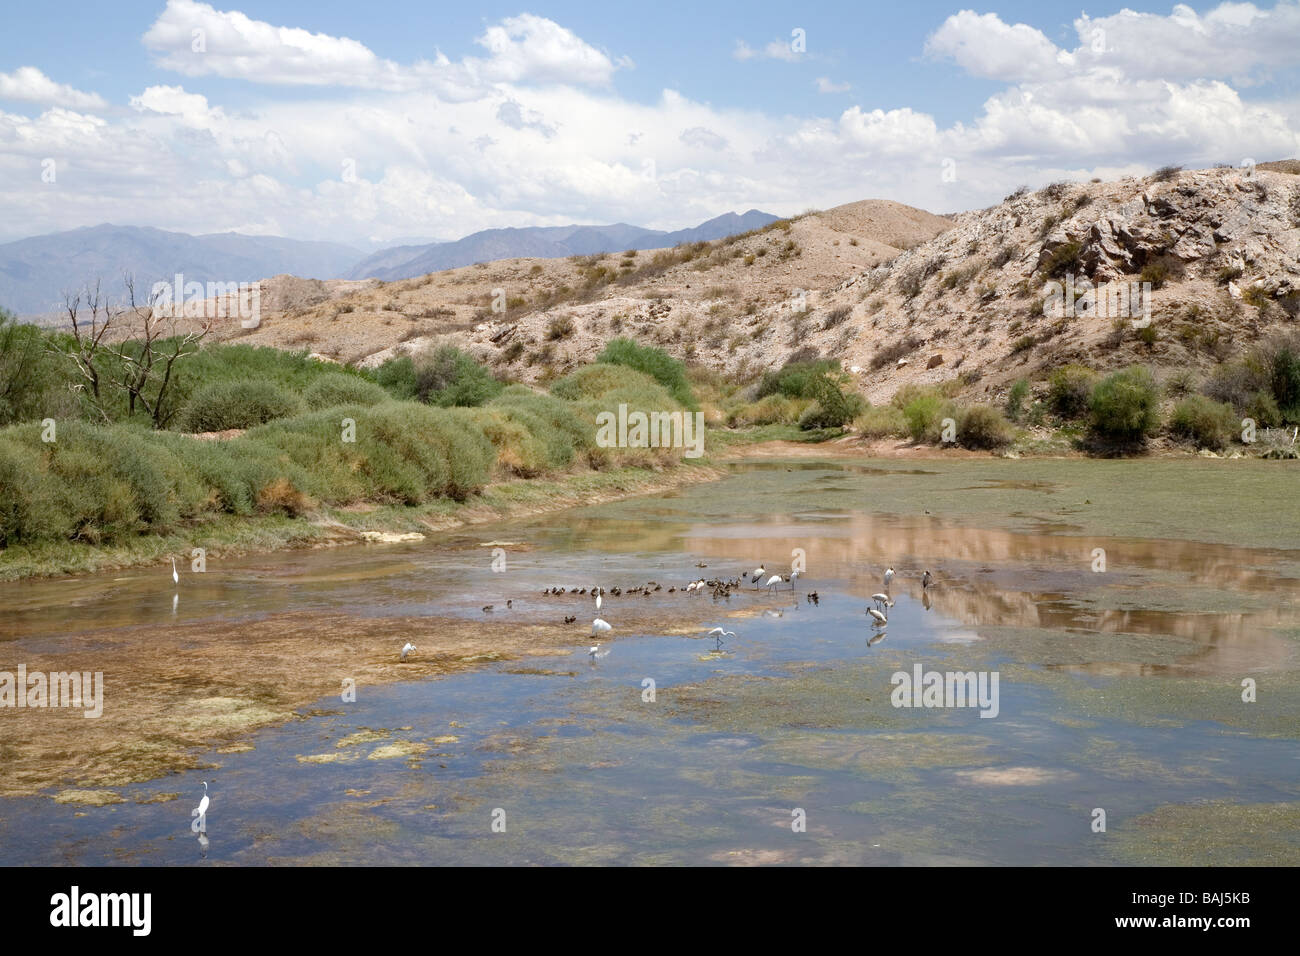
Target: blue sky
387,119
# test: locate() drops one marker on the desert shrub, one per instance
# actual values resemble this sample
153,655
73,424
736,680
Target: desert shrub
658,364
797,378
1278,359
29,374
1070,389
834,405
1016,399
1065,258
1166,173
894,351
836,316
560,327
339,388
556,423
768,410
447,376
1124,405
518,450
1208,423
982,426
1160,270
397,377
593,381
1229,273
924,414
1262,407
32,499
1236,383
236,404
881,421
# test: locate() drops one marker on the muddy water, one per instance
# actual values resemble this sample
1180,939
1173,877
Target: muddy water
1119,690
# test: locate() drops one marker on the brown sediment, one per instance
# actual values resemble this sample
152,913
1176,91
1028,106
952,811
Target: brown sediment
176,696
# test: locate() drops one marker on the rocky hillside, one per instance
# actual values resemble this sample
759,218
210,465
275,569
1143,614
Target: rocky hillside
899,295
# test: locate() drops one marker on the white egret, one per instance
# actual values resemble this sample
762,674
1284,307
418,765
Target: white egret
889,576
203,804
773,581
794,576
600,627
878,617
176,578
597,599
719,633
406,649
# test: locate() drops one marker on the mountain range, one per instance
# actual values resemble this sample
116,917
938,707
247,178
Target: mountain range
543,242
37,271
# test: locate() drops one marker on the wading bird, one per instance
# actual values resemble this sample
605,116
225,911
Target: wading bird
773,581
889,576
176,578
794,576
406,649
927,579
719,634
599,627
878,617
882,601
757,575
598,601
203,804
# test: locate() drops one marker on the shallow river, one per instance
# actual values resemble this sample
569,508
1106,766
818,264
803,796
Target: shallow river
1118,689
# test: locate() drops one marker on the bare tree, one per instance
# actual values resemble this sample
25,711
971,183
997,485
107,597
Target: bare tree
133,347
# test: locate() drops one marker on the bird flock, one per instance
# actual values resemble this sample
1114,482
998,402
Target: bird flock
720,589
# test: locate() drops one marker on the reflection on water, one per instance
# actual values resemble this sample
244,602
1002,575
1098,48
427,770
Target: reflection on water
1119,689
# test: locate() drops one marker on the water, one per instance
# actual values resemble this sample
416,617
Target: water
1118,691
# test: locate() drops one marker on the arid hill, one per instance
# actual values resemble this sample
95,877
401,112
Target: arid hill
898,294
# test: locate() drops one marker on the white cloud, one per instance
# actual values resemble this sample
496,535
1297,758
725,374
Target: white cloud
702,138
529,132
826,85
775,50
523,49
29,85
983,45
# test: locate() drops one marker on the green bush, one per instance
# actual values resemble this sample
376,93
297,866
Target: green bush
982,426
339,388
656,363
1070,389
447,376
1208,423
834,406
32,383
33,500
221,405
924,415
769,410
881,421
796,379
1016,399
397,377
1124,405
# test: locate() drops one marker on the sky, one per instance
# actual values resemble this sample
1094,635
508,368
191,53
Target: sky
370,122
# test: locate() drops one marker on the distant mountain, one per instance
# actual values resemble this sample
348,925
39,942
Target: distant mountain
35,272
542,242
